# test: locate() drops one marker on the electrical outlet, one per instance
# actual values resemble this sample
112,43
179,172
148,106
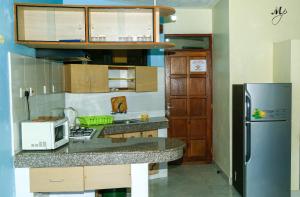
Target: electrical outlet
21,93
45,89
53,89
31,92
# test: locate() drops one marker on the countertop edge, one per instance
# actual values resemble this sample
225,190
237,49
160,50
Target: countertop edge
96,159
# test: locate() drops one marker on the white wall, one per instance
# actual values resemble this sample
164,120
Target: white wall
30,72
221,86
190,21
152,103
252,35
286,70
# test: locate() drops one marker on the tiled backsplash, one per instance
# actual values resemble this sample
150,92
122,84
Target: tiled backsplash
152,103
43,76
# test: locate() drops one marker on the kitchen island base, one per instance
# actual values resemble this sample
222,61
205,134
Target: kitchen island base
139,184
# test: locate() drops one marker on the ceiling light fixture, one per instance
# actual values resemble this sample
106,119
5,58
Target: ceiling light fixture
173,18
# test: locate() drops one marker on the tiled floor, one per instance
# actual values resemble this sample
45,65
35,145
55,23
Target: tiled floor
192,181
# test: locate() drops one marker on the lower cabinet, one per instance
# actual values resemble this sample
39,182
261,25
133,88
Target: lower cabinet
78,179
107,177
56,179
153,167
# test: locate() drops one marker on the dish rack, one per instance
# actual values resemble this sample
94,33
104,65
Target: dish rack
95,120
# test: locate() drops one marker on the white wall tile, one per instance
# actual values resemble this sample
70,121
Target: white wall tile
40,81
30,72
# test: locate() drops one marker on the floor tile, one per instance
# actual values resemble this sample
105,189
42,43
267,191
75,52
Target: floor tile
192,181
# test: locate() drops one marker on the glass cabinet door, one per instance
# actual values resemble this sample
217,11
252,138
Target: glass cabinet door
121,25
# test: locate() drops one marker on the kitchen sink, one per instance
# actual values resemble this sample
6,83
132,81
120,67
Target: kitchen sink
126,121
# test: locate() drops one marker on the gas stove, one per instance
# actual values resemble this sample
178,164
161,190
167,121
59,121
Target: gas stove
81,133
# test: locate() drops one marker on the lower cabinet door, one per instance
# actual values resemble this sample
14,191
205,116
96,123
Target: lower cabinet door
132,135
56,179
107,177
153,133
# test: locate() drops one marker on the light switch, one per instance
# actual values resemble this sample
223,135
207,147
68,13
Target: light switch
1,39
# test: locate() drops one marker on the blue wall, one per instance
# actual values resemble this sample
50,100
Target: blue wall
7,30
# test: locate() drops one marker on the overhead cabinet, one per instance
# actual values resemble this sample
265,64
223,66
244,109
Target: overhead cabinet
121,25
84,78
50,24
88,78
90,27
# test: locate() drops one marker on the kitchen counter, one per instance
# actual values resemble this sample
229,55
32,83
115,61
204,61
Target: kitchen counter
103,151
152,124
136,152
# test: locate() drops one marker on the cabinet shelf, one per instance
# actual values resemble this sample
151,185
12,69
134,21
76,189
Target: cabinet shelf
103,45
120,79
121,89
43,25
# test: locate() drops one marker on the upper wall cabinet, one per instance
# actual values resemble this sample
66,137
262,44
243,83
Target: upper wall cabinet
50,24
89,27
121,25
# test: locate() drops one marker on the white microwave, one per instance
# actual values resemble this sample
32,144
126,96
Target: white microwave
44,135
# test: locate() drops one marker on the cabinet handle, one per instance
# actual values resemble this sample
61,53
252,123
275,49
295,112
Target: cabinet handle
56,180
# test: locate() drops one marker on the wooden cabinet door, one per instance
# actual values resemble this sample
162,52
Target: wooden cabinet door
106,177
132,135
153,133
76,78
98,78
146,79
56,179
188,102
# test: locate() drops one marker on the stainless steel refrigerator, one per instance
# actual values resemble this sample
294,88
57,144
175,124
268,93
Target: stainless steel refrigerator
261,139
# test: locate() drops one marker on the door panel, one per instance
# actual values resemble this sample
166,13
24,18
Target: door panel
198,86
198,128
178,65
178,87
197,148
188,102
198,107
179,127
267,173
178,107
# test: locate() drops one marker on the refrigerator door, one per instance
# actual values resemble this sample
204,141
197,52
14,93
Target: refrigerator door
267,159
267,101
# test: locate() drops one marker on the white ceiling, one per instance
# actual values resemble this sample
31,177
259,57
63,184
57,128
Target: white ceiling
173,3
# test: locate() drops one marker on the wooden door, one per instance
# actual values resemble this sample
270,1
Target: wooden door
188,102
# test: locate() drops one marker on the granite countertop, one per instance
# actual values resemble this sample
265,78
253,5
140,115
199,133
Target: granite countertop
106,151
152,124
103,151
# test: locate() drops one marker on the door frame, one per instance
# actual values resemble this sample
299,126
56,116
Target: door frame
167,51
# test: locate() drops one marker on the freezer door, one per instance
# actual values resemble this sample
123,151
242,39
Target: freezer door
267,102
267,159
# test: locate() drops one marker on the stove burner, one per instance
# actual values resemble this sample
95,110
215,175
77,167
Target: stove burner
81,133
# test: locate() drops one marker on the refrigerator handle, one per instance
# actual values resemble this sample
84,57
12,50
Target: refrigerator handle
248,106
247,138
